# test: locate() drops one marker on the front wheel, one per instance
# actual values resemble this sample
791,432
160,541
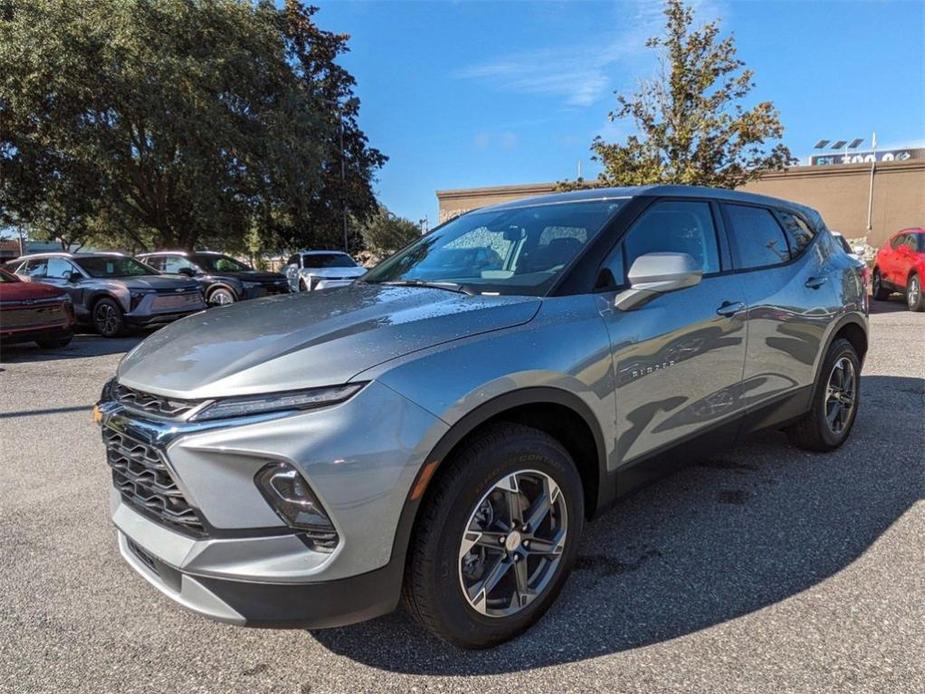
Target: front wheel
880,293
496,537
108,318
221,296
914,299
835,401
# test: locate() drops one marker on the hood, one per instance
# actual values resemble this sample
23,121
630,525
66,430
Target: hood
158,282
356,271
22,291
308,339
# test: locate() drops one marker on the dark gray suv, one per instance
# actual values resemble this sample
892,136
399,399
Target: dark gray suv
441,430
112,291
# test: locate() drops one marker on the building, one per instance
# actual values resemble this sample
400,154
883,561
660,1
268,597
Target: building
841,192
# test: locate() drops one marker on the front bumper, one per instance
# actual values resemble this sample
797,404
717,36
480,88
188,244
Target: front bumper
250,568
149,312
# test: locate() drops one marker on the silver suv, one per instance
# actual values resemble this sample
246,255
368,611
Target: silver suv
440,431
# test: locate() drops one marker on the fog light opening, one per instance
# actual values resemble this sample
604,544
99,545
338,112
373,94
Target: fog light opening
288,493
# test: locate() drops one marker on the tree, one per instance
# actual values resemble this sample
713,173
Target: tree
181,122
386,233
692,127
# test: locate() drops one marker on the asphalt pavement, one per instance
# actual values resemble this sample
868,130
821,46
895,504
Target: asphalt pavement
759,569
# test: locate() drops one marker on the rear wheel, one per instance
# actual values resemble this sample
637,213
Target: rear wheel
880,293
108,318
914,298
53,343
496,537
835,401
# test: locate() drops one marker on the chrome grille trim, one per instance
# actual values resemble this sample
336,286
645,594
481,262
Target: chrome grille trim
149,403
141,474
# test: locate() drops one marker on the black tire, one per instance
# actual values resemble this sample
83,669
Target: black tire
108,318
432,590
221,296
914,297
302,287
813,432
879,292
54,343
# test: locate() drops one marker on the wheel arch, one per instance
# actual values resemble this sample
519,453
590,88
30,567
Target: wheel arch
221,285
854,329
559,413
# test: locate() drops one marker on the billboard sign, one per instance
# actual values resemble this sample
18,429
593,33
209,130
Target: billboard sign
866,157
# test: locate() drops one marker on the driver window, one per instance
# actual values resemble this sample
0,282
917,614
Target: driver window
36,268
670,226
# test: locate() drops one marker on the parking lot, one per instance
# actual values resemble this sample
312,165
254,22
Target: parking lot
759,569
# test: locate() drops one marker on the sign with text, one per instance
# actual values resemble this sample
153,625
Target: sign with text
866,157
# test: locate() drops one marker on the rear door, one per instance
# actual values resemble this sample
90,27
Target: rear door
791,296
678,359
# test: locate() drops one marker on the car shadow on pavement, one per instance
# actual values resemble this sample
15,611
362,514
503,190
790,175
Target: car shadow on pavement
720,539
83,345
895,304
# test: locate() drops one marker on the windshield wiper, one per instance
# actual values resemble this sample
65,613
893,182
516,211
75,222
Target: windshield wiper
448,286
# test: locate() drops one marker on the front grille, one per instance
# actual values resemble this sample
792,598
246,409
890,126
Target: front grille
176,301
144,480
139,401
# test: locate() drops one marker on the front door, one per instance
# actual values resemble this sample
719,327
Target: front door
679,358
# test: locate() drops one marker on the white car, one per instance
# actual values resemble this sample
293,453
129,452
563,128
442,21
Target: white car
310,270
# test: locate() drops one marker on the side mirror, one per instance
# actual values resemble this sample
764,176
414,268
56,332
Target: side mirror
74,277
188,271
657,273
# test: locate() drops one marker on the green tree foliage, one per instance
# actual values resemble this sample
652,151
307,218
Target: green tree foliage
178,123
692,126
385,233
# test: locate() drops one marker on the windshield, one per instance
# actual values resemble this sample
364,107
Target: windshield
113,266
327,260
511,251
219,263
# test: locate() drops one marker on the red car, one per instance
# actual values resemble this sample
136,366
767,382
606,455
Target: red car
30,311
900,267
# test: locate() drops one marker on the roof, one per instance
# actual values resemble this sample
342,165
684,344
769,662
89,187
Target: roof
650,190
64,254
319,253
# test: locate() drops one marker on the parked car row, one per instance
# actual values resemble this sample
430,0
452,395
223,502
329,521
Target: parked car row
112,292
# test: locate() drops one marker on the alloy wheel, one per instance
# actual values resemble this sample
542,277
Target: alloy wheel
220,297
106,319
513,543
913,291
840,395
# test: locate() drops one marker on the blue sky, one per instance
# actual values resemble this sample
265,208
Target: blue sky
483,93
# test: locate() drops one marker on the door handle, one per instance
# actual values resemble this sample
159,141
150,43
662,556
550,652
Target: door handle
816,282
730,308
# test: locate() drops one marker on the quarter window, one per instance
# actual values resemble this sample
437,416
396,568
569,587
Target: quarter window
759,240
799,235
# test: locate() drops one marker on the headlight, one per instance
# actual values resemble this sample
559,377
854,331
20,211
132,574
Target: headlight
139,294
276,402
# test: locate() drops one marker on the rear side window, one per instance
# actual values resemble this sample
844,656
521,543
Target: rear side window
898,241
759,239
799,235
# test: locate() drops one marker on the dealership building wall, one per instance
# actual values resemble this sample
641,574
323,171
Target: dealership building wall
840,193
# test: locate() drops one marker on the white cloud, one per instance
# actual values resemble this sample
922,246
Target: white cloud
581,74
